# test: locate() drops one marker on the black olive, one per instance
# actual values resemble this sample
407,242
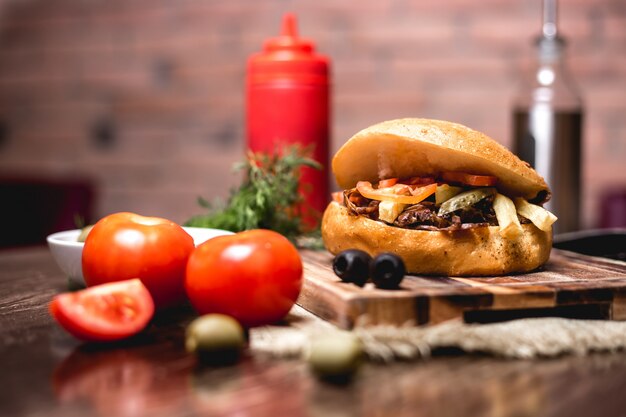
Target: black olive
352,266
387,270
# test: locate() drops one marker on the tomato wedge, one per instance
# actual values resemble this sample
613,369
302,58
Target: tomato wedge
106,312
470,179
391,194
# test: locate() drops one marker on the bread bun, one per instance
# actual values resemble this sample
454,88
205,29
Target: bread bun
410,147
420,147
479,251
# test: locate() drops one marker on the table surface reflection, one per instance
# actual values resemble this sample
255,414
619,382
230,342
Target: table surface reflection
47,373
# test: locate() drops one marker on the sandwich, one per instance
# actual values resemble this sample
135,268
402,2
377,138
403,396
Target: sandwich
449,200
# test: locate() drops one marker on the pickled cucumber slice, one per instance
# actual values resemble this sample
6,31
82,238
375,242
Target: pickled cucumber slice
465,199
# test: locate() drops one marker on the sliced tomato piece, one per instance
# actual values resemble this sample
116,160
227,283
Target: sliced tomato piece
422,193
106,312
337,196
470,179
418,180
391,194
389,182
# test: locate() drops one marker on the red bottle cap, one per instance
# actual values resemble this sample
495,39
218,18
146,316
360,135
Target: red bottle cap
288,58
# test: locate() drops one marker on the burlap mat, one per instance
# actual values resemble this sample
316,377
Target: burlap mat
525,338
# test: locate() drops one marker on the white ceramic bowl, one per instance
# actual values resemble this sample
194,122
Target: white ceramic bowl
67,252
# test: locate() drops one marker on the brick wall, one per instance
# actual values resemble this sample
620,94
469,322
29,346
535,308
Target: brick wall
145,97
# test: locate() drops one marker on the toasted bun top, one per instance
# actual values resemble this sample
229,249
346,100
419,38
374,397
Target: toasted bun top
410,147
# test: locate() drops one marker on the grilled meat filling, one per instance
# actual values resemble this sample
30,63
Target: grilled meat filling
423,216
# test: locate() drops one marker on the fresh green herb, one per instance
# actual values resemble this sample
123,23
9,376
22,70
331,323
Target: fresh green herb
267,199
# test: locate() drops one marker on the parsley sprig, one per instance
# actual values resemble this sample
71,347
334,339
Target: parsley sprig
268,198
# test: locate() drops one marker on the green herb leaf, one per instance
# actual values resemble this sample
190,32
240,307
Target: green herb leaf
267,199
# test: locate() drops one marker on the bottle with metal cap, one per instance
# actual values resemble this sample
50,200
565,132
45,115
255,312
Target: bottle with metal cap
287,99
548,116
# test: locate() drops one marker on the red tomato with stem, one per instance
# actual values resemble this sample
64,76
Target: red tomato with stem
104,313
126,245
254,276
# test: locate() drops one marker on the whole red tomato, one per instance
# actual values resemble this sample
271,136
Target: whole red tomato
126,245
253,276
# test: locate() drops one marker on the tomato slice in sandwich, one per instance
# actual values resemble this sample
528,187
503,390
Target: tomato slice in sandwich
389,182
106,312
418,180
470,179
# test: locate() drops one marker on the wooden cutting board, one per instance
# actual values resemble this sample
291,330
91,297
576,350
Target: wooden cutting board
569,285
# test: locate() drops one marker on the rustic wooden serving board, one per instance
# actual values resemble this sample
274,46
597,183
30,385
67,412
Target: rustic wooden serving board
569,285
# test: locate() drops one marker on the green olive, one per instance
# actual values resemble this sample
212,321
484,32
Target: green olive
216,339
84,232
335,357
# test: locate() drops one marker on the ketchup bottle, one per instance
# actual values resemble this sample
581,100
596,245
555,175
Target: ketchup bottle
288,103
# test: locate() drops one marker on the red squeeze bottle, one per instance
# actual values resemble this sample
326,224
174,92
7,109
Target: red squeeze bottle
287,104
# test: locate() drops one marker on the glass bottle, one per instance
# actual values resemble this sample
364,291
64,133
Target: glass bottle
547,117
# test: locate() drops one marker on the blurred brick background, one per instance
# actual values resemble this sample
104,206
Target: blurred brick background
145,97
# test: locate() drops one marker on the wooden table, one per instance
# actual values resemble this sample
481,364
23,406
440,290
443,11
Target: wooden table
45,372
